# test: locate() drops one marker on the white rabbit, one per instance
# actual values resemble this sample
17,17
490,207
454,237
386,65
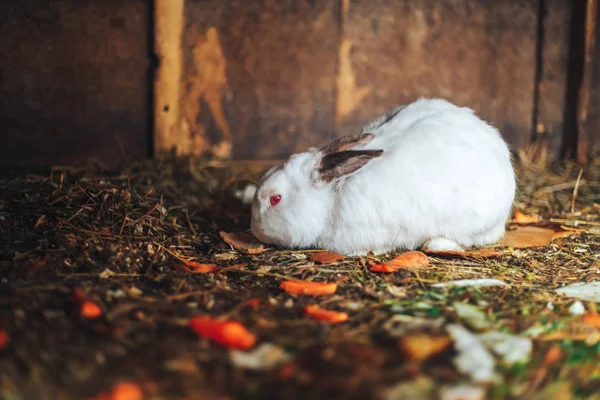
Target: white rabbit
429,174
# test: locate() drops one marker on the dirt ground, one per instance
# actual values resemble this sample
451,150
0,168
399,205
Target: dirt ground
121,238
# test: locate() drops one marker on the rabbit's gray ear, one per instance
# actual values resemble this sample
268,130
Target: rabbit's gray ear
347,143
343,163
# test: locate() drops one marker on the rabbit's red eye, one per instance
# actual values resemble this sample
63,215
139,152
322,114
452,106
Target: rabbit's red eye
275,199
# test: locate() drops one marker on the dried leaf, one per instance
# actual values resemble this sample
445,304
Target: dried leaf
409,259
226,256
265,357
308,288
566,233
242,242
321,314
326,257
107,273
39,221
422,346
199,268
228,333
527,236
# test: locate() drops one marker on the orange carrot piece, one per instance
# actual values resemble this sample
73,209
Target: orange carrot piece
4,339
383,268
252,303
308,288
90,309
552,355
592,319
199,268
321,314
127,391
522,218
228,333
87,308
409,259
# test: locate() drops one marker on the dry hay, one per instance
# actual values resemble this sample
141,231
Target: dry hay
123,237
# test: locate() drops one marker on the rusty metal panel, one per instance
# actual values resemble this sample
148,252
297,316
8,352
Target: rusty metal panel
74,81
258,77
480,54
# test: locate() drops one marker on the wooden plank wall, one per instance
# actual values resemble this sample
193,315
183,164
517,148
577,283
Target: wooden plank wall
258,76
75,81
266,78
261,79
593,118
550,96
475,54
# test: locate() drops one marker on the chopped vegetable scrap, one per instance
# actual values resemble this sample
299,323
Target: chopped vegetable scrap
228,333
409,259
199,268
308,287
87,308
321,314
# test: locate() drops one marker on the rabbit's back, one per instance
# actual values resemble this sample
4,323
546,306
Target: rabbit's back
444,172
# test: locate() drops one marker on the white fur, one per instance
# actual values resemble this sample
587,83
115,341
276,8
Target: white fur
441,244
444,174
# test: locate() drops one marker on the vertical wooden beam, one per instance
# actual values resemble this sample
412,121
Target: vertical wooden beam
168,16
591,17
551,89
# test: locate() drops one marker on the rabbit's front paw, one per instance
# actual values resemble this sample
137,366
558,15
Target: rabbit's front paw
442,244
